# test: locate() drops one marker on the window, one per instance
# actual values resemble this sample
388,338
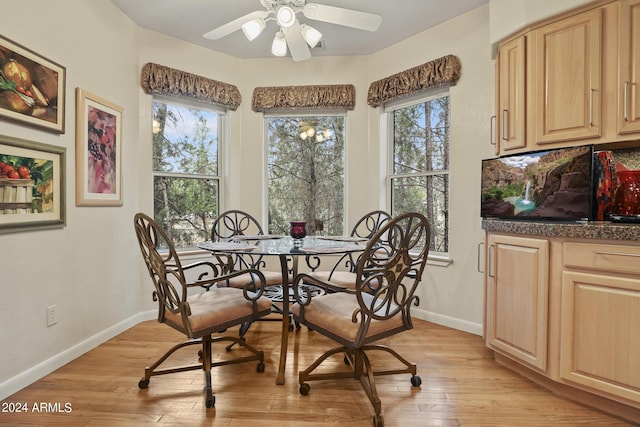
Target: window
186,169
419,168
306,172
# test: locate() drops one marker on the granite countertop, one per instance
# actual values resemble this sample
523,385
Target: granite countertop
583,230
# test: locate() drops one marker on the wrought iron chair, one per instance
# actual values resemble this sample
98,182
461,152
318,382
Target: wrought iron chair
386,279
342,275
237,224
198,309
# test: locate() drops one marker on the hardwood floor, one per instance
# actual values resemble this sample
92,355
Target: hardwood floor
461,386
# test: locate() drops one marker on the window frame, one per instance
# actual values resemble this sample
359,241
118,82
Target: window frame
437,258
222,113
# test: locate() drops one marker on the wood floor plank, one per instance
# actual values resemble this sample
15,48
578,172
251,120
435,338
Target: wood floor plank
462,385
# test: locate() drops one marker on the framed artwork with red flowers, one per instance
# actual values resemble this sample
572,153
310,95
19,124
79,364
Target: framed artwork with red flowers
98,151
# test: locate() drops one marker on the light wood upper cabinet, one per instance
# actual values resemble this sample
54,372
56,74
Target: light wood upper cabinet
629,66
567,83
510,115
571,80
517,280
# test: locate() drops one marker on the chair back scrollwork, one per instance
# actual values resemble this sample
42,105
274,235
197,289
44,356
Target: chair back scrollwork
151,237
234,223
391,268
369,224
165,269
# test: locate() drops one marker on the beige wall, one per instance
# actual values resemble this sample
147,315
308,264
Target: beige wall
92,269
84,268
453,295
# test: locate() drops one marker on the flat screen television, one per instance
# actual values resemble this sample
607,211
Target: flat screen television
551,185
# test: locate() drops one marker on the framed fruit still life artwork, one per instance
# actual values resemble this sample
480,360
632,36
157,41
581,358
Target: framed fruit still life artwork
98,151
32,88
32,185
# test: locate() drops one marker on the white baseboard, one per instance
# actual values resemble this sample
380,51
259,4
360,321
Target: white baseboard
450,322
31,375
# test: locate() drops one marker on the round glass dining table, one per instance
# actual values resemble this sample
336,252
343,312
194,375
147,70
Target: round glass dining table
288,251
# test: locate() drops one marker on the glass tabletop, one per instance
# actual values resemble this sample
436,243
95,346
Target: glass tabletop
284,245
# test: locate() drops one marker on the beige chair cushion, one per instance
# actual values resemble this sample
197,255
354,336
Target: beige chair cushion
271,278
342,279
332,312
218,306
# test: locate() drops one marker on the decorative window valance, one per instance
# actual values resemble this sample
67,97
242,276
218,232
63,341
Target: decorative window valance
303,97
439,72
169,81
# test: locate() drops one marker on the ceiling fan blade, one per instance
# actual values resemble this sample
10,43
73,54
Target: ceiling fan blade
235,25
338,15
297,45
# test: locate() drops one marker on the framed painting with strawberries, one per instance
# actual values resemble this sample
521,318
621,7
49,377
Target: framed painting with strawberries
32,88
32,185
98,151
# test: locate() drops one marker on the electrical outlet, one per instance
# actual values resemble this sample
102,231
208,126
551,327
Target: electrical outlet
52,315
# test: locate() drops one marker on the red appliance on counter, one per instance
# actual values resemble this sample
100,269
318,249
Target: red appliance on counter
626,203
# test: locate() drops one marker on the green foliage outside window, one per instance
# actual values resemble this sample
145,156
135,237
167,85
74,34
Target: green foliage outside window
306,173
420,169
186,168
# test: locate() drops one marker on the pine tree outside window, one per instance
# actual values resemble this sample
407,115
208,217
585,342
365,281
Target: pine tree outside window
186,169
305,157
418,176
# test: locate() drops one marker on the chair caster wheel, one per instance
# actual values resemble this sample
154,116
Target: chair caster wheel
304,389
416,381
210,402
260,367
144,383
378,421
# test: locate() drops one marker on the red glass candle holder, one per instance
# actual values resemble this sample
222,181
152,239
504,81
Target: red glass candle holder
298,229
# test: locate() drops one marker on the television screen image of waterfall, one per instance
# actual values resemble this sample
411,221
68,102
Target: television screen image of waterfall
551,185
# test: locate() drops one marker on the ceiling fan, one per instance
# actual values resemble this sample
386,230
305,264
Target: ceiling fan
293,35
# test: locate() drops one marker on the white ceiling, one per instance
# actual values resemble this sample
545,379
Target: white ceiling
188,20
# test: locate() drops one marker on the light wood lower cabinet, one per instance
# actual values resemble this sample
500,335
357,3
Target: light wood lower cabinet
567,310
600,318
517,292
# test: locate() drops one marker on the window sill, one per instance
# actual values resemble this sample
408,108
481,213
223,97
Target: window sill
439,260
193,253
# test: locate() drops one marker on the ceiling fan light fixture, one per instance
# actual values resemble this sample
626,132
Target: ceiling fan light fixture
285,16
310,35
253,28
279,45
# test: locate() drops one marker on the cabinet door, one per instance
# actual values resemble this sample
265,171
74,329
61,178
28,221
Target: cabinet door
600,343
511,94
629,68
567,78
517,279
